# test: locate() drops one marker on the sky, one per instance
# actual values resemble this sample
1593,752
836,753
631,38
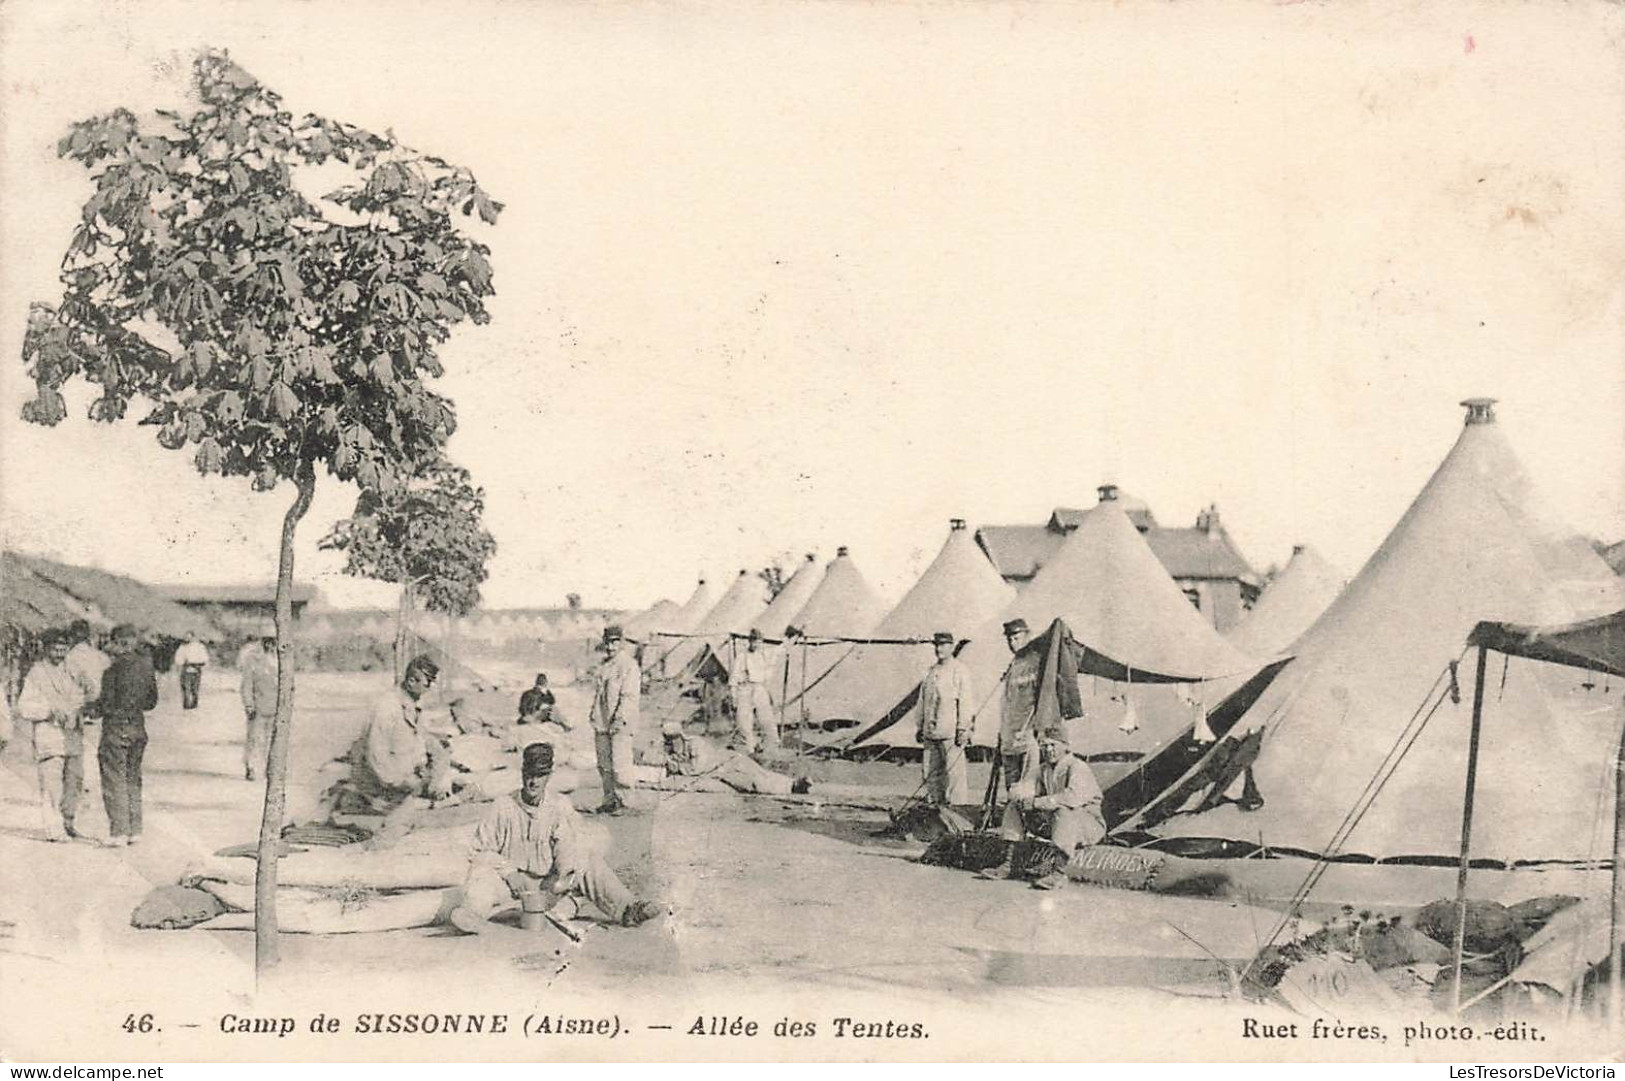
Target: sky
778,277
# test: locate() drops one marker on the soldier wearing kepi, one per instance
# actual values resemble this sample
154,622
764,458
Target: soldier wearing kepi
531,842
617,690
1017,742
748,681
946,716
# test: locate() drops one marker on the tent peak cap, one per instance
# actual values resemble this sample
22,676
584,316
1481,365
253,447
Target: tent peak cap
956,524
841,551
1480,410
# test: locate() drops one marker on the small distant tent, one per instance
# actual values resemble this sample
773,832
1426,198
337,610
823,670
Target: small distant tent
783,609
682,621
1372,701
733,614
843,606
1291,603
638,626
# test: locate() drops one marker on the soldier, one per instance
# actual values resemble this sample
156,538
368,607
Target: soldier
191,658
257,685
398,768
51,703
748,681
129,689
946,710
531,842
617,689
1062,804
537,703
1017,745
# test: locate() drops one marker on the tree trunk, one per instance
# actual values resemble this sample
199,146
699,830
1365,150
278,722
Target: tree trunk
403,629
276,766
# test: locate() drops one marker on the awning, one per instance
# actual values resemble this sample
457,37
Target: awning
1595,644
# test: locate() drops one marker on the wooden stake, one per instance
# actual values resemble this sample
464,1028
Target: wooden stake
1467,828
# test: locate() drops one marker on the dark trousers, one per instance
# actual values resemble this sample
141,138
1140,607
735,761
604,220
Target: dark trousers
124,742
191,679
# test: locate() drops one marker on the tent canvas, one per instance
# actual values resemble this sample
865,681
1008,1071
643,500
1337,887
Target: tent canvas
1144,636
958,591
1476,544
781,611
843,606
1292,601
682,621
638,626
733,614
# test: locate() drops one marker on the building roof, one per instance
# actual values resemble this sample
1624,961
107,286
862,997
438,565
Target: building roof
233,594
1018,551
36,592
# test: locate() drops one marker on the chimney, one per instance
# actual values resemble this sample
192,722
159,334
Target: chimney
956,524
1108,492
1208,520
1480,410
841,551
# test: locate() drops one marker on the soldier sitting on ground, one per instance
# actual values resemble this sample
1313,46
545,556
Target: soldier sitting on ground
531,843
1059,802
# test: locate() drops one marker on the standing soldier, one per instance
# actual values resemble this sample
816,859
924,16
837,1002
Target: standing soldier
129,689
190,658
946,716
51,703
258,687
749,679
617,688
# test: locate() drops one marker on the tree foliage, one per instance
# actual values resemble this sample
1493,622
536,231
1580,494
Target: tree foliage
261,328
426,534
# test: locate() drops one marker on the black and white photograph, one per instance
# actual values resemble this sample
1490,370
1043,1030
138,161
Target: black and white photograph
931,531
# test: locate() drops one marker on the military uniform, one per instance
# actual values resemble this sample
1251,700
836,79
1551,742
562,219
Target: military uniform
749,680
946,715
617,692
50,705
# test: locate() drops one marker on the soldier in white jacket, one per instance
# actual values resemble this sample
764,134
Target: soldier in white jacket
749,681
945,729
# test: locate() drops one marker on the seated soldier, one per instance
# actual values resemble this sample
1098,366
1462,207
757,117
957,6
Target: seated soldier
531,842
398,766
1059,803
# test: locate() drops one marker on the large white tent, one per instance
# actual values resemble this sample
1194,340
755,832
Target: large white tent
1291,603
1370,701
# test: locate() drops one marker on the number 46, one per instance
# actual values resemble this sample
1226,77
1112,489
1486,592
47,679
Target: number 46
132,1023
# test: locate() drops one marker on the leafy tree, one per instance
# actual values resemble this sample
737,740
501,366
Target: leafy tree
773,577
425,536
270,334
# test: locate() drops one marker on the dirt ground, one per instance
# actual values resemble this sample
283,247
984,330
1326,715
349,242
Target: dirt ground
777,910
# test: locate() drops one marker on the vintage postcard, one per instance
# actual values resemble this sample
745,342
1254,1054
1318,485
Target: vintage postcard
812,532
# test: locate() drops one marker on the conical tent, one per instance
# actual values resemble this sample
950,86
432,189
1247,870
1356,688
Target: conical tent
1343,718
682,621
1296,597
637,627
959,591
732,614
791,599
843,606
1117,598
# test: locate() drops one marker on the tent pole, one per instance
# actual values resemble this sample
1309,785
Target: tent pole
1616,926
1467,829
